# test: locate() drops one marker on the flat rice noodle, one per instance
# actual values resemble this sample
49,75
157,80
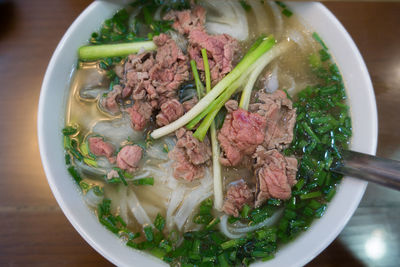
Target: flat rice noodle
292,88
176,198
263,25
193,199
157,151
278,20
298,38
155,195
123,208
272,83
142,174
226,17
91,199
168,176
223,226
118,195
117,131
237,232
92,93
137,209
103,167
151,210
92,83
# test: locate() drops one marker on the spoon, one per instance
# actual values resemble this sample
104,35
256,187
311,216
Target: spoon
378,170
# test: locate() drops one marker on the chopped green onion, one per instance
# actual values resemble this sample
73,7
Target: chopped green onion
279,3
287,12
232,243
121,221
311,195
144,181
121,175
164,244
320,211
324,55
319,40
314,204
214,222
69,130
148,233
74,174
245,211
330,194
165,148
314,60
159,222
199,85
206,69
109,225
222,260
158,252
260,254
90,162
245,5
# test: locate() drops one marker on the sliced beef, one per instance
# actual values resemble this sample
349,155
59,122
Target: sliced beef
221,50
136,77
154,78
99,148
187,20
291,170
109,103
128,158
236,196
198,152
140,114
231,105
171,70
169,112
240,134
280,116
183,168
189,155
275,175
187,105
112,174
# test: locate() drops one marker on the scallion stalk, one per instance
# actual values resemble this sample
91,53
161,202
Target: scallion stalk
93,52
218,192
215,92
261,63
206,69
199,85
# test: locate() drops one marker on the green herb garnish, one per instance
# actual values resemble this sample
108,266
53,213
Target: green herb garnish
144,181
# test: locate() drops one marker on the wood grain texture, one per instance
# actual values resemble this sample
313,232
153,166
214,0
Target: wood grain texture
33,230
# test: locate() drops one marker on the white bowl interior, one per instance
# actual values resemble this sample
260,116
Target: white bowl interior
308,245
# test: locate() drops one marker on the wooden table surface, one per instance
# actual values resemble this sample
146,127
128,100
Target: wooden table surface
34,231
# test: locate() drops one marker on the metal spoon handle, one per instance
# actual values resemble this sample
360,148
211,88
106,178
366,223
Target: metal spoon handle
382,171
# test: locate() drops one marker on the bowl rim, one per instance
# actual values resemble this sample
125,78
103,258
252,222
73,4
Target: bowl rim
112,256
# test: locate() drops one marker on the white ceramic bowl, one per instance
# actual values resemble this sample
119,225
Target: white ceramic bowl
323,231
